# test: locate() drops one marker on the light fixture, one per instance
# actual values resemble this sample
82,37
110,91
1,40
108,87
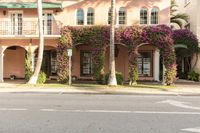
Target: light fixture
4,12
116,51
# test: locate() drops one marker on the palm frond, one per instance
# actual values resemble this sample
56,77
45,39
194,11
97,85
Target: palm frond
181,16
178,22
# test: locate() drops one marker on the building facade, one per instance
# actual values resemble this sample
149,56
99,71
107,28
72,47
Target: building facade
191,8
19,29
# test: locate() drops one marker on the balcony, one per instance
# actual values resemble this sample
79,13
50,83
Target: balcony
29,29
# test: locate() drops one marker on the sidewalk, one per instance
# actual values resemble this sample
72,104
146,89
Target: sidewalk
179,89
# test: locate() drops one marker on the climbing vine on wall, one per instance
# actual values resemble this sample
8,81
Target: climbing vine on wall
98,38
62,59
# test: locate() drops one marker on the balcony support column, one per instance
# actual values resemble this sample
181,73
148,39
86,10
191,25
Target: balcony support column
156,65
1,63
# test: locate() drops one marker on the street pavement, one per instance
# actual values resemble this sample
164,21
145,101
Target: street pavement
98,113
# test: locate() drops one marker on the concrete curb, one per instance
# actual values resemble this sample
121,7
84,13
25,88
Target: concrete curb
99,91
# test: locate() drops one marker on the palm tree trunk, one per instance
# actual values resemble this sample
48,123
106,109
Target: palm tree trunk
112,78
34,77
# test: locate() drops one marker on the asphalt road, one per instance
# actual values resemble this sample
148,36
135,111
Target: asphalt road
86,113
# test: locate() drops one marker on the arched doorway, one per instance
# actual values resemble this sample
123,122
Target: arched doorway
148,62
49,61
14,62
145,61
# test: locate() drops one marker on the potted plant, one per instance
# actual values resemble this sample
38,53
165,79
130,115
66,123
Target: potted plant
12,77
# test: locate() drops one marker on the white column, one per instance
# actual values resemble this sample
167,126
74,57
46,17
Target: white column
1,64
85,16
156,68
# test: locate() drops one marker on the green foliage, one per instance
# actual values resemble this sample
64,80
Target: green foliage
119,78
132,36
28,64
65,42
41,78
98,64
170,74
193,76
133,71
177,18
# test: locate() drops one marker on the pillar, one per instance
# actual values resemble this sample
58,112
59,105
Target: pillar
156,67
1,63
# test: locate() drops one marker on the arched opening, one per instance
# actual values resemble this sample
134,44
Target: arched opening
183,62
49,65
14,62
82,62
146,62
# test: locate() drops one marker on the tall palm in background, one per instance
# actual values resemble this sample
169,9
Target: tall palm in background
177,18
34,77
112,78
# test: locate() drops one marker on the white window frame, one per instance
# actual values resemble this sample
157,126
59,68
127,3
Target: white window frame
116,16
158,16
125,21
48,12
90,16
84,17
9,19
147,15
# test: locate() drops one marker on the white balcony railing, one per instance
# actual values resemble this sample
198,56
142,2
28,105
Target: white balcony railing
29,28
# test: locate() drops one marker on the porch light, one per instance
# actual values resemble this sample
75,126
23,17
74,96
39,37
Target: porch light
69,52
4,13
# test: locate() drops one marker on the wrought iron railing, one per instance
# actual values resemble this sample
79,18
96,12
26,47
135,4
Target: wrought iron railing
51,27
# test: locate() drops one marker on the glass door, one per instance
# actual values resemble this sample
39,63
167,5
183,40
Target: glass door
145,64
16,23
47,23
86,63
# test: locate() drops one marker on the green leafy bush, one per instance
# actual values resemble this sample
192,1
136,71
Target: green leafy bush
170,74
193,76
119,78
133,74
28,64
41,78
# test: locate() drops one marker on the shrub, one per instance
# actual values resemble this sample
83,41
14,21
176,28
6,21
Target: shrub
193,76
170,74
41,78
119,78
133,75
28,64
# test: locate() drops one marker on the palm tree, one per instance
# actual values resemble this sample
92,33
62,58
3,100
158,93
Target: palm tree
112,77
177,18
34,77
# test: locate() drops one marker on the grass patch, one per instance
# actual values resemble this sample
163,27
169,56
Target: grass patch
161,87
44,85
96,86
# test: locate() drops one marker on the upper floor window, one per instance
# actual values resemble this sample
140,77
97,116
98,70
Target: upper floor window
154,15
122,15
109,16
143,16
80,17
90,16
47,23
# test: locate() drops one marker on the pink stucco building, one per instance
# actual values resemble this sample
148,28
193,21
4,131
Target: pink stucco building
18,29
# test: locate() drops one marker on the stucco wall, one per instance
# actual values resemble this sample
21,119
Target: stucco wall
121,60
192,9
14,62
68,16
